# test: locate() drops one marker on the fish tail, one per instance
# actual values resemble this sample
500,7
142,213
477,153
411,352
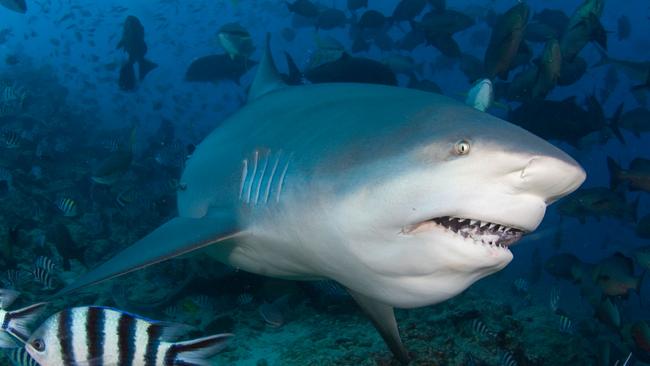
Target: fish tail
614,173
17,321
295,75
196,352
144,67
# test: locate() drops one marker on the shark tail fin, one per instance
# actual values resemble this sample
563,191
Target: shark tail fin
176,237
145,66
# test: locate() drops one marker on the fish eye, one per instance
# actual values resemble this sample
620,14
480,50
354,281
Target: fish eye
462,147
38,345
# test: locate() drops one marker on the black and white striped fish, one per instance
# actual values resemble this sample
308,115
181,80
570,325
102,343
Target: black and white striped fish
19,357
67,206
10,139
43,277
507,359
45,263
479,328
566,326
97,335
15,278
13,324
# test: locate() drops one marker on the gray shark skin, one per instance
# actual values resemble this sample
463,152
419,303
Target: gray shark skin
342,181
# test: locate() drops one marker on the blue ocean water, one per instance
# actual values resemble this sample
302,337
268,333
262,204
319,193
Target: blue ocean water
93,154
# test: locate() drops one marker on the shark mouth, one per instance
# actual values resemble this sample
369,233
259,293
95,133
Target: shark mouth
484,232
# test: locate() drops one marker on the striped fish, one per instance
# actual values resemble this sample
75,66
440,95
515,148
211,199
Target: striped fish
19,357
15,278
478,327
45,263
521,285
11,139
97,335
43,277
566,326
67,206
13,324
507,359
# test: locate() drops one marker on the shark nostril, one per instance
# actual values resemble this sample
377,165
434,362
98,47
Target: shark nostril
551,178
526,170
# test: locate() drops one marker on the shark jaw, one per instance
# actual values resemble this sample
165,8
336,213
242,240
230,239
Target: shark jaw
494,236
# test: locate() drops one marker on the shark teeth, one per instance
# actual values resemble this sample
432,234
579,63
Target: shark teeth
486,233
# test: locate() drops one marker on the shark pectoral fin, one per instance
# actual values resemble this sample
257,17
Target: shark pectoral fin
383,318
175,237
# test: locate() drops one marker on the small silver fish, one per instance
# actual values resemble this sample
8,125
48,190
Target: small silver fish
95,335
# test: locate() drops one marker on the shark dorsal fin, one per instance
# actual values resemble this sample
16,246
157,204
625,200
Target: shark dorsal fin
267,78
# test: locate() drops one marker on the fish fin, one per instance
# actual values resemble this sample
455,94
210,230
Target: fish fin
295,76
614,172
7,297
7,341
144,67
176,237
267,78
383,318
171,331
599,34
20,319
197,351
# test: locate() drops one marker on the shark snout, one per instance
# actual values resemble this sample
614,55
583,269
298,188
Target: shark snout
551,178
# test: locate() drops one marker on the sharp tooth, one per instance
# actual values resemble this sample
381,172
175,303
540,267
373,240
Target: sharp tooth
483,224
492,226
472,222
461,220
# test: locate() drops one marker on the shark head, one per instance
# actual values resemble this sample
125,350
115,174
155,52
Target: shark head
443,211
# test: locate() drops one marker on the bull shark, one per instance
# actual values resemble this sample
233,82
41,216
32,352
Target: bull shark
404,197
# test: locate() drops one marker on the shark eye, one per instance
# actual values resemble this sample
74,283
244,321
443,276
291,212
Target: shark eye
462,147
38,345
